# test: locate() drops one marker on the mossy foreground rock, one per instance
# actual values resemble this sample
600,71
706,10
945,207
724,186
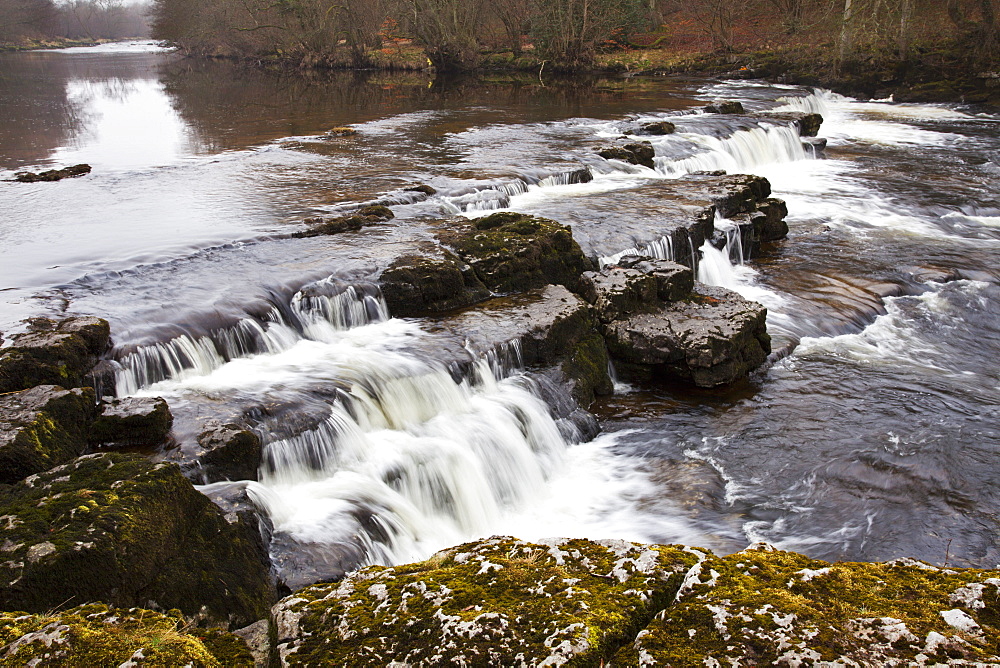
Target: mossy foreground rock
53,353
496,602
512,252
769,608
42,427
95,635
119,529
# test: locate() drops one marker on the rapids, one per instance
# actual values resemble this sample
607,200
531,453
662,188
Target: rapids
871,433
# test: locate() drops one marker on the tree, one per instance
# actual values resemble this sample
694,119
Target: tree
448,30
568,31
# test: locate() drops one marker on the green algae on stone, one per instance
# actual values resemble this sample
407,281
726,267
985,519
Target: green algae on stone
42,427
767,607
499,601
511,252
96,635
53,353
420,285
122,530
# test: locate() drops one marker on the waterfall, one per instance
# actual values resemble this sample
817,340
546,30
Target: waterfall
740,152
440,460
498,196
661,249
311,313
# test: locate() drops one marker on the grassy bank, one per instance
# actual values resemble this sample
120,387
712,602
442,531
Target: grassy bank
35,44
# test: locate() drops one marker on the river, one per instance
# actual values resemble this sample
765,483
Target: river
873,432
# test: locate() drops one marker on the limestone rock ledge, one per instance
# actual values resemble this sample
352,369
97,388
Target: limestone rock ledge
502,601
96,635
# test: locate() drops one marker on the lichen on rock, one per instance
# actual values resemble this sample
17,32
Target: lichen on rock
122,530
499,601
53,353
96,635
762,606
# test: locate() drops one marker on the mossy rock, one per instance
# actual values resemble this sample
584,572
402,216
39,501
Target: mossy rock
512,252
42,427
119,529
364,217
96,635
228,452
499,601
767,607
420,285
53,353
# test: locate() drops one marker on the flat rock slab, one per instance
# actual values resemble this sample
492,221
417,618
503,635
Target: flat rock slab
497,602
42,427
711,338
550,327
132,421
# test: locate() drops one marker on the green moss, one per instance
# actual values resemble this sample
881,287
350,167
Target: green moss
512,252
770,607
122,530
95,635
494,602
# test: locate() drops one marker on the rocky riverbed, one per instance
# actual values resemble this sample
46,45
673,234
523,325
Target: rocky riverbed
112,556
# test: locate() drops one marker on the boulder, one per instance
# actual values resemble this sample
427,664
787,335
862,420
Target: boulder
227,452
42,427
53,174
772,225
617,292
765,607
343,131
132,422
711,338
96,635
674,281
421,188
635,153
552,328
807,123
53,353
658,128
363,217
494,602
122,530
433,282
725,107
511,252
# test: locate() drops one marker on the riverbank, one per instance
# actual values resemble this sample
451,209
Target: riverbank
37,44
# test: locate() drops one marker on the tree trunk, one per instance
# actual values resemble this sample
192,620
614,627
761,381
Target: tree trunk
846,31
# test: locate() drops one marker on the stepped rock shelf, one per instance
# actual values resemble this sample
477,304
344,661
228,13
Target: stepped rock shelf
109,554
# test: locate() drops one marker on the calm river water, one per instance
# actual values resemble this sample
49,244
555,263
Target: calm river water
874,434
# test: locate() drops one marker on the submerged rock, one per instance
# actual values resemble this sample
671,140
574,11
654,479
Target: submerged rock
96,635
132,421
363,217
634,153
767,607
53,353
499,601
436,281
42,427
711,338
513,252
124,531
53,174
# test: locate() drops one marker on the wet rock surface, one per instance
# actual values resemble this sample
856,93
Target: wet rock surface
53,174
513,252
634,153
725,107
228,452
713,337
434,281
499,601
42,427
53,353
96,635
363,217
658,128
131,422
123,531
808,124
552,328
